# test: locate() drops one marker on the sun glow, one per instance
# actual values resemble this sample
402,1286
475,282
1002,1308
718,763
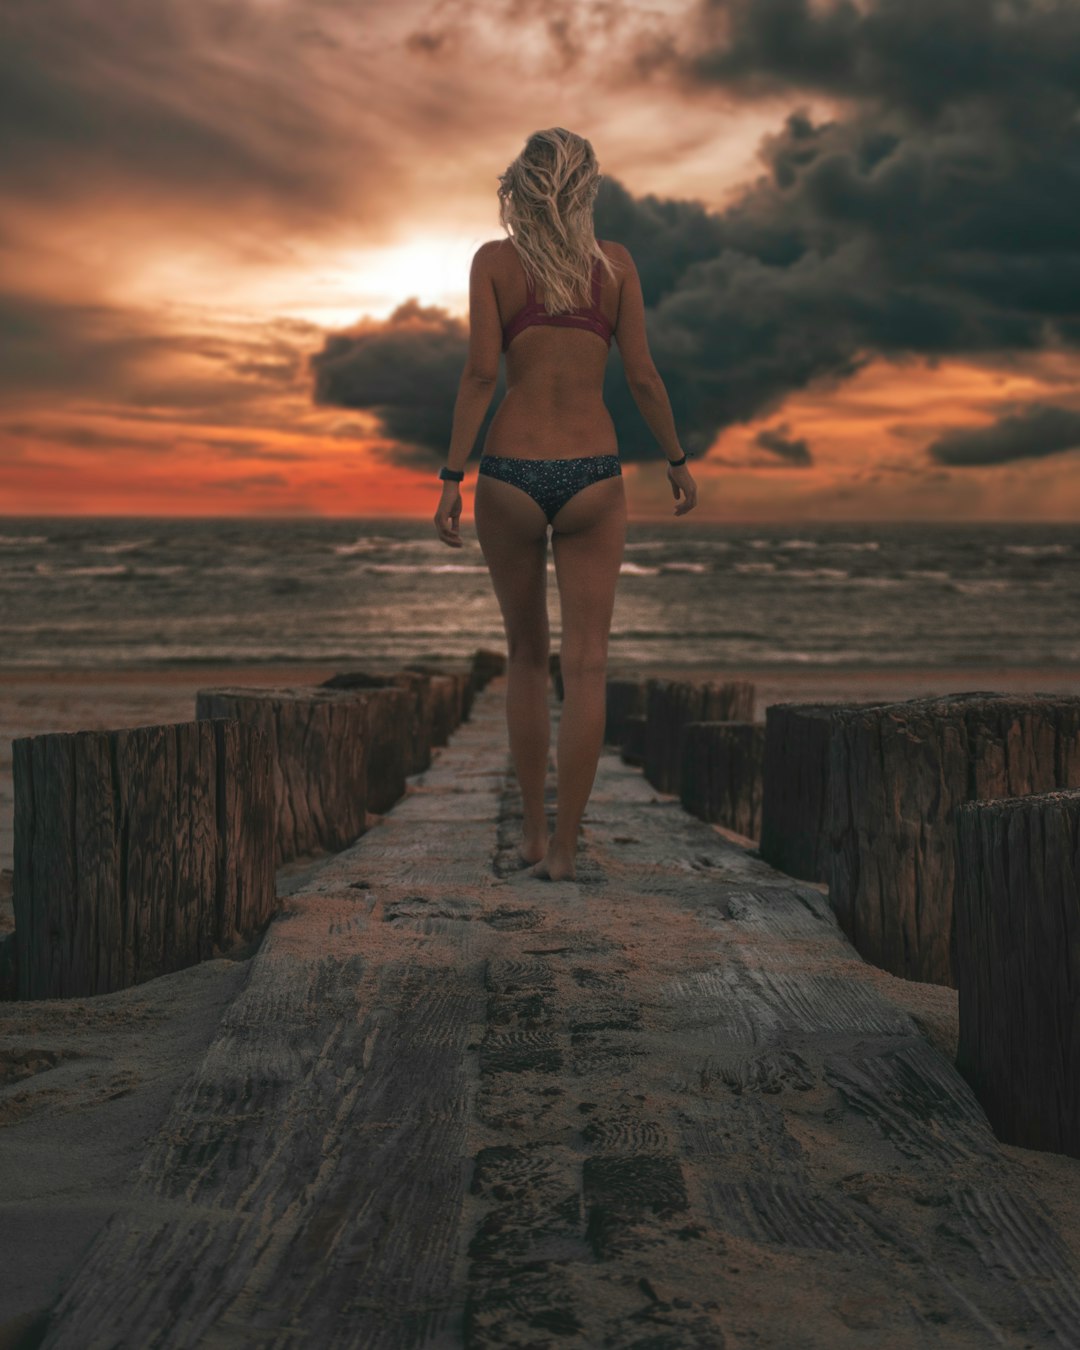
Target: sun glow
433,270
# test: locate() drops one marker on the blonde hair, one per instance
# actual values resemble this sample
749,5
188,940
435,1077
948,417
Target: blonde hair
545,205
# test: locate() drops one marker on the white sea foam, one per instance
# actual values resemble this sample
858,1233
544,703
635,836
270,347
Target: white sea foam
109,570
829,573
124,546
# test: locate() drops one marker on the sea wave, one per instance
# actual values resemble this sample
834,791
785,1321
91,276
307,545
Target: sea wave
104,570
124,546
1036,550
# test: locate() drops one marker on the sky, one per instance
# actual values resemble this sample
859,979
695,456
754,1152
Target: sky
235,239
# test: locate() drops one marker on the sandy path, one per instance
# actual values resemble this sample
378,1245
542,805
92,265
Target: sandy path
666,1105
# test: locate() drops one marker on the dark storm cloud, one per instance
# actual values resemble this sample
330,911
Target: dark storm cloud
117,355
1034,433
197,103
795,452
919,56
81,348
406,370
936,216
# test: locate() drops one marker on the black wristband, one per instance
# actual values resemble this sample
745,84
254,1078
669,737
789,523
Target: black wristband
451,475
676,462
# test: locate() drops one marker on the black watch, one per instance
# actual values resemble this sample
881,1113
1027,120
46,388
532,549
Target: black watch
451,475
676,462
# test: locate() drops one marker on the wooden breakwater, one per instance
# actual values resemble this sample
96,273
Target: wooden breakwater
141,850
137,852
665,1105
947,839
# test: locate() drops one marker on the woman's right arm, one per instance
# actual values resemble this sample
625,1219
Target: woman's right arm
646,384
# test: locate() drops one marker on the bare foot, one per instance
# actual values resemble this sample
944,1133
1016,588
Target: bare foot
554,867
533,848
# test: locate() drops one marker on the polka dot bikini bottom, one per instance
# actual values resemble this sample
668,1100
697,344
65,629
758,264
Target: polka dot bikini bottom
550,482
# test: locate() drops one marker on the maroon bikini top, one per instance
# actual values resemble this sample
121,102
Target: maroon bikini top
533,312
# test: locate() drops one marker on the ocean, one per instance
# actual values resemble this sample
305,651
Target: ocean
114,592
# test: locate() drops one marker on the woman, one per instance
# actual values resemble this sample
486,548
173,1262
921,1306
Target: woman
551,296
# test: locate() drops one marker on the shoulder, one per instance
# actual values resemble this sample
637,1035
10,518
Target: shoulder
490,251
485,261
618,253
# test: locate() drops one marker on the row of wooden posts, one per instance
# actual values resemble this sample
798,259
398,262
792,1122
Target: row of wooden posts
146,849
947,830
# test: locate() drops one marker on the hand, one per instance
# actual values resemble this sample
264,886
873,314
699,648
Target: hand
682,481
448,516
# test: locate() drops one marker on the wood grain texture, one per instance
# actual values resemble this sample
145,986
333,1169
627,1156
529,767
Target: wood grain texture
389,751
632,748
1018,965
794,781
421,707
624,698
664,1105
897,774
137,852
9,967
318,741
453,681
669,704
720,766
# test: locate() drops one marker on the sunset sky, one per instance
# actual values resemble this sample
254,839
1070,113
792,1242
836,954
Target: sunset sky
235,240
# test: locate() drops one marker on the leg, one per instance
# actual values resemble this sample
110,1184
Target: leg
512,533
589,534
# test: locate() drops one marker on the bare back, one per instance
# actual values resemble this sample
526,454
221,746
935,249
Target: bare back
554,406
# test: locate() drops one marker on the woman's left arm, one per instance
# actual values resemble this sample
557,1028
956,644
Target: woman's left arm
476,389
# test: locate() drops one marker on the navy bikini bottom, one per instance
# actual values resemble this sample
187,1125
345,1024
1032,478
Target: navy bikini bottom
550,482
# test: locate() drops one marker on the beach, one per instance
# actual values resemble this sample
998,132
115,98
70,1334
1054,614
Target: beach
87,1081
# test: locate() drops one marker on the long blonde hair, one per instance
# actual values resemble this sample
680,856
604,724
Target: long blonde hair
545,205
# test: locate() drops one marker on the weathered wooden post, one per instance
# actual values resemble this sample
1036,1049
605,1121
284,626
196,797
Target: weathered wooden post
9,969
418,728
1018,965
897,774
671,703
318,742
632,750
721,773
486,665
138,852
625,698
446,694
388,745
555,671
794,777
9,975
452,689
